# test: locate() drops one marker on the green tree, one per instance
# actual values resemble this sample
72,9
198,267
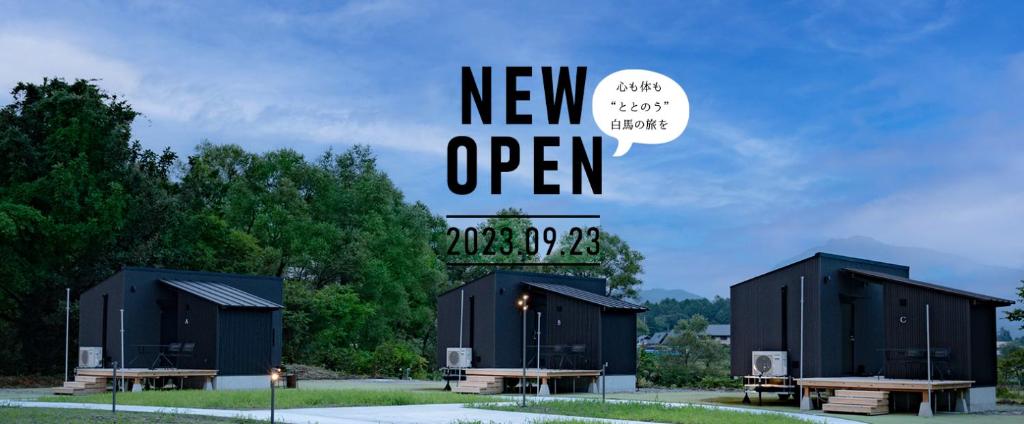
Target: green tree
336,227
619,264
692,355
1017,314
78,199
510,248
664,315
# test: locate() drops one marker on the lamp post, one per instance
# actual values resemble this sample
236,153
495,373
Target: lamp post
274,375
523,306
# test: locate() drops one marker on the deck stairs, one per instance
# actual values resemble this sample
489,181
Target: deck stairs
865,402
480,384
82,385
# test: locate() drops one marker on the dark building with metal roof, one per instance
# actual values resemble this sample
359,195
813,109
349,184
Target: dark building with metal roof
580,327
186,319
865,318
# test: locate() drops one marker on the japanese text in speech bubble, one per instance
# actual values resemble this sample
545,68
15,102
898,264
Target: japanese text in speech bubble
637,106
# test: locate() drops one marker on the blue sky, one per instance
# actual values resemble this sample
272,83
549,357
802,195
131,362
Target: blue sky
810,121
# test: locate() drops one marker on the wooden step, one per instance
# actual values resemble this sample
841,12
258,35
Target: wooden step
475,389
73,391
84,385
479,383
872,394
855,409
858,401
90,379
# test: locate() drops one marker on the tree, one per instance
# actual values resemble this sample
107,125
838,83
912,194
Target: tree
690,358
509,223
78,199
664,315
619,264
1018,313
337,229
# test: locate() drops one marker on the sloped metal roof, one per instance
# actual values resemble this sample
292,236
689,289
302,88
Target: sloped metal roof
718,330
605,301
922,284
222,294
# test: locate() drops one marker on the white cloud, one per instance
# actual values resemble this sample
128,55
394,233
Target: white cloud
30,59
243,104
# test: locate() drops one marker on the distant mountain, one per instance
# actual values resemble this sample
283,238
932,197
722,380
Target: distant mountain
936,267
656,295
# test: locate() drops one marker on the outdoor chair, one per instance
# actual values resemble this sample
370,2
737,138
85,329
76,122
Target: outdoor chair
164,355
941,363
577,351
558,355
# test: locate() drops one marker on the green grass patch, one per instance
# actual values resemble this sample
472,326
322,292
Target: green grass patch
637,411
1009,395
9,414
260,399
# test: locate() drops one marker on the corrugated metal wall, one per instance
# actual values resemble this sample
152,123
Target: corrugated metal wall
618,348
905,329
867,303
983,345
245,342
566,321
757,317
479,326
91,319
197,323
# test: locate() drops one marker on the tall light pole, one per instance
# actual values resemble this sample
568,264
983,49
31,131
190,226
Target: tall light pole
538,353
523,305
67,331
274,375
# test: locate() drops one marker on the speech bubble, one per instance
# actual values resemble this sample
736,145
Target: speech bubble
637,106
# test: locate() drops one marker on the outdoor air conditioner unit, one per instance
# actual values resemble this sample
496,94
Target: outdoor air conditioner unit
770,363
460,357
90,357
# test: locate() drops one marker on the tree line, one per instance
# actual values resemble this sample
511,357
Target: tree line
80,198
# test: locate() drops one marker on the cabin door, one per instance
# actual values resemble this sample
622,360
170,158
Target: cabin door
846,336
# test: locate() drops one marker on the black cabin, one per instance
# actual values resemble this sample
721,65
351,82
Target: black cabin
228,322
581,328
864,318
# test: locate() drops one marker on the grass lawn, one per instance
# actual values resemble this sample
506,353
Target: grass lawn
643,412
771,403
286,398
83,416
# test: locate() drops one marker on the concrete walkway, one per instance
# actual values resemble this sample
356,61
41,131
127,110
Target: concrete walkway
408,414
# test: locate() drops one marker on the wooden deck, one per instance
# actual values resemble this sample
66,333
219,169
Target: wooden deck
923,387
145,372
532,372
887,384
94,380
492,380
